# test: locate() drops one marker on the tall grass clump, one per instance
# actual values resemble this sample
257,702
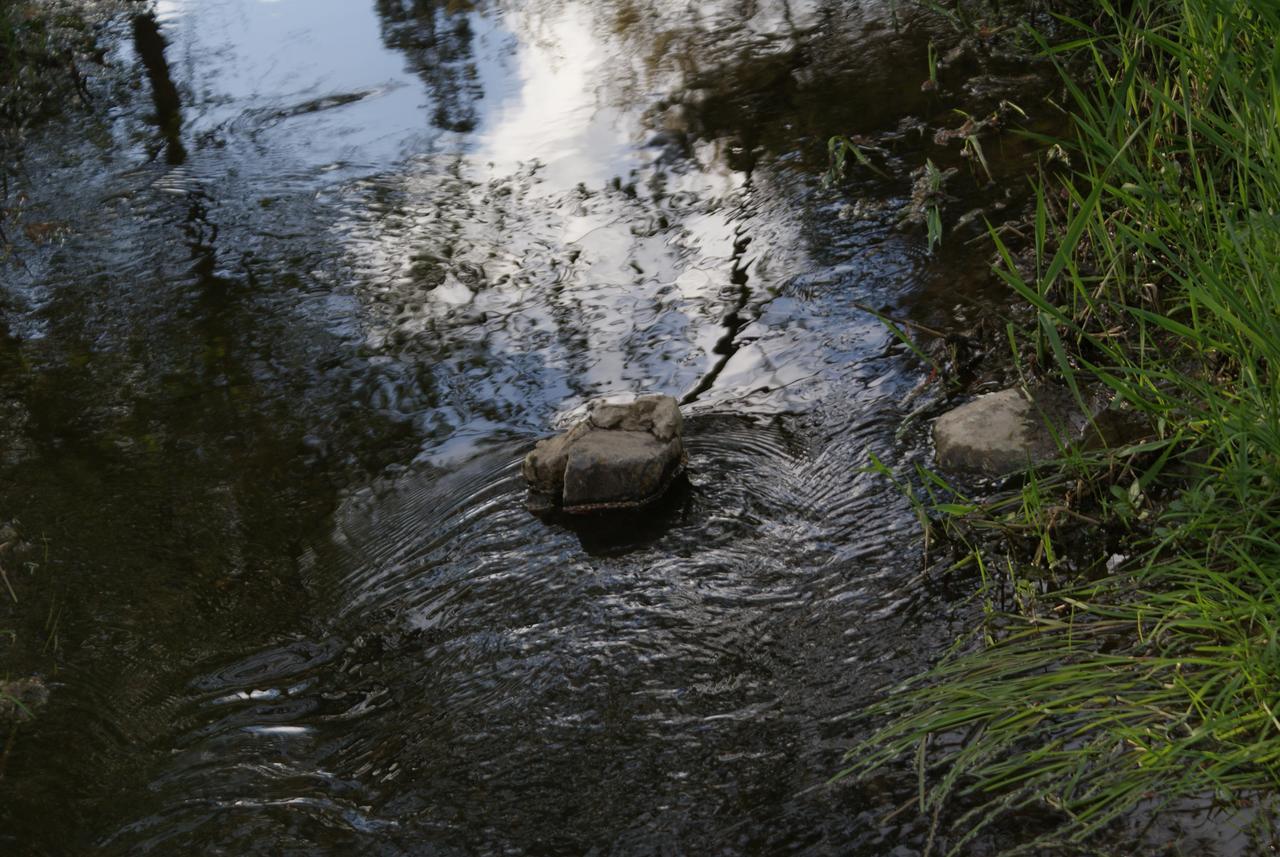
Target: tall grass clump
1154,272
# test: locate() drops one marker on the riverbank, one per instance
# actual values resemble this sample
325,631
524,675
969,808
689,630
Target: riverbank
1132,667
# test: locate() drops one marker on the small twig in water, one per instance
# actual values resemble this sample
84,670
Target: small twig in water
901,322
8,585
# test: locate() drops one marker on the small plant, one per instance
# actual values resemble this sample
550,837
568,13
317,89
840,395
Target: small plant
931,83
928,197
933,180
840,149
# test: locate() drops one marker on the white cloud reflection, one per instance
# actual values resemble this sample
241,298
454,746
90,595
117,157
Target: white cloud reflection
555,114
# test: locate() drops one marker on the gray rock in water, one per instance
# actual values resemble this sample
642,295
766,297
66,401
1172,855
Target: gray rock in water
619,457
1001,433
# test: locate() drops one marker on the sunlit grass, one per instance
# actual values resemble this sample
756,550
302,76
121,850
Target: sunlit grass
1156,272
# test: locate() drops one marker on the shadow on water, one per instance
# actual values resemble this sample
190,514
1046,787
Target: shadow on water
264,403
615,534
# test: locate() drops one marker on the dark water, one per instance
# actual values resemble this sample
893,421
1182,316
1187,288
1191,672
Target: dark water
275,344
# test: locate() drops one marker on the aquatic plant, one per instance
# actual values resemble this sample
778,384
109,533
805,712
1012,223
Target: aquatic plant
1149,676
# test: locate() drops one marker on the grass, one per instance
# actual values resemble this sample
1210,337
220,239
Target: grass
1133,686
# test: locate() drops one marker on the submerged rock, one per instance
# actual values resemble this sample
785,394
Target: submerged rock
619,457
1003,432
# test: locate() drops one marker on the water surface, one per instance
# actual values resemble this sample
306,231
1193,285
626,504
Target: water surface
268,378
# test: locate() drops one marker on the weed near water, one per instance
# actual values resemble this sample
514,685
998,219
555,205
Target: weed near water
1155,272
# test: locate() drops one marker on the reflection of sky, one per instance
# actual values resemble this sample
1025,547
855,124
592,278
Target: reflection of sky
583,294
250,68
248,59
634,309
556,116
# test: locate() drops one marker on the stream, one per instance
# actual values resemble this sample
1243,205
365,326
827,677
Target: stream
283,321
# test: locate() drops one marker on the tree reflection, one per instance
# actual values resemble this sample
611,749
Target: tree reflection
759,75
438,40
150,46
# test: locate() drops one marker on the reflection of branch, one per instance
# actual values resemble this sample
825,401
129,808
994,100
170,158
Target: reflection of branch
733,323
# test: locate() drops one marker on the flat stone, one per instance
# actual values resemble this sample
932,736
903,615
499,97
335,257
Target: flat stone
1001,433
621,456
658,415
618,469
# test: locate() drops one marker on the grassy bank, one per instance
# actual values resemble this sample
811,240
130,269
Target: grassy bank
1148,675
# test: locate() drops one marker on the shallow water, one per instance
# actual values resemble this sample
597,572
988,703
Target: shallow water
267,383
